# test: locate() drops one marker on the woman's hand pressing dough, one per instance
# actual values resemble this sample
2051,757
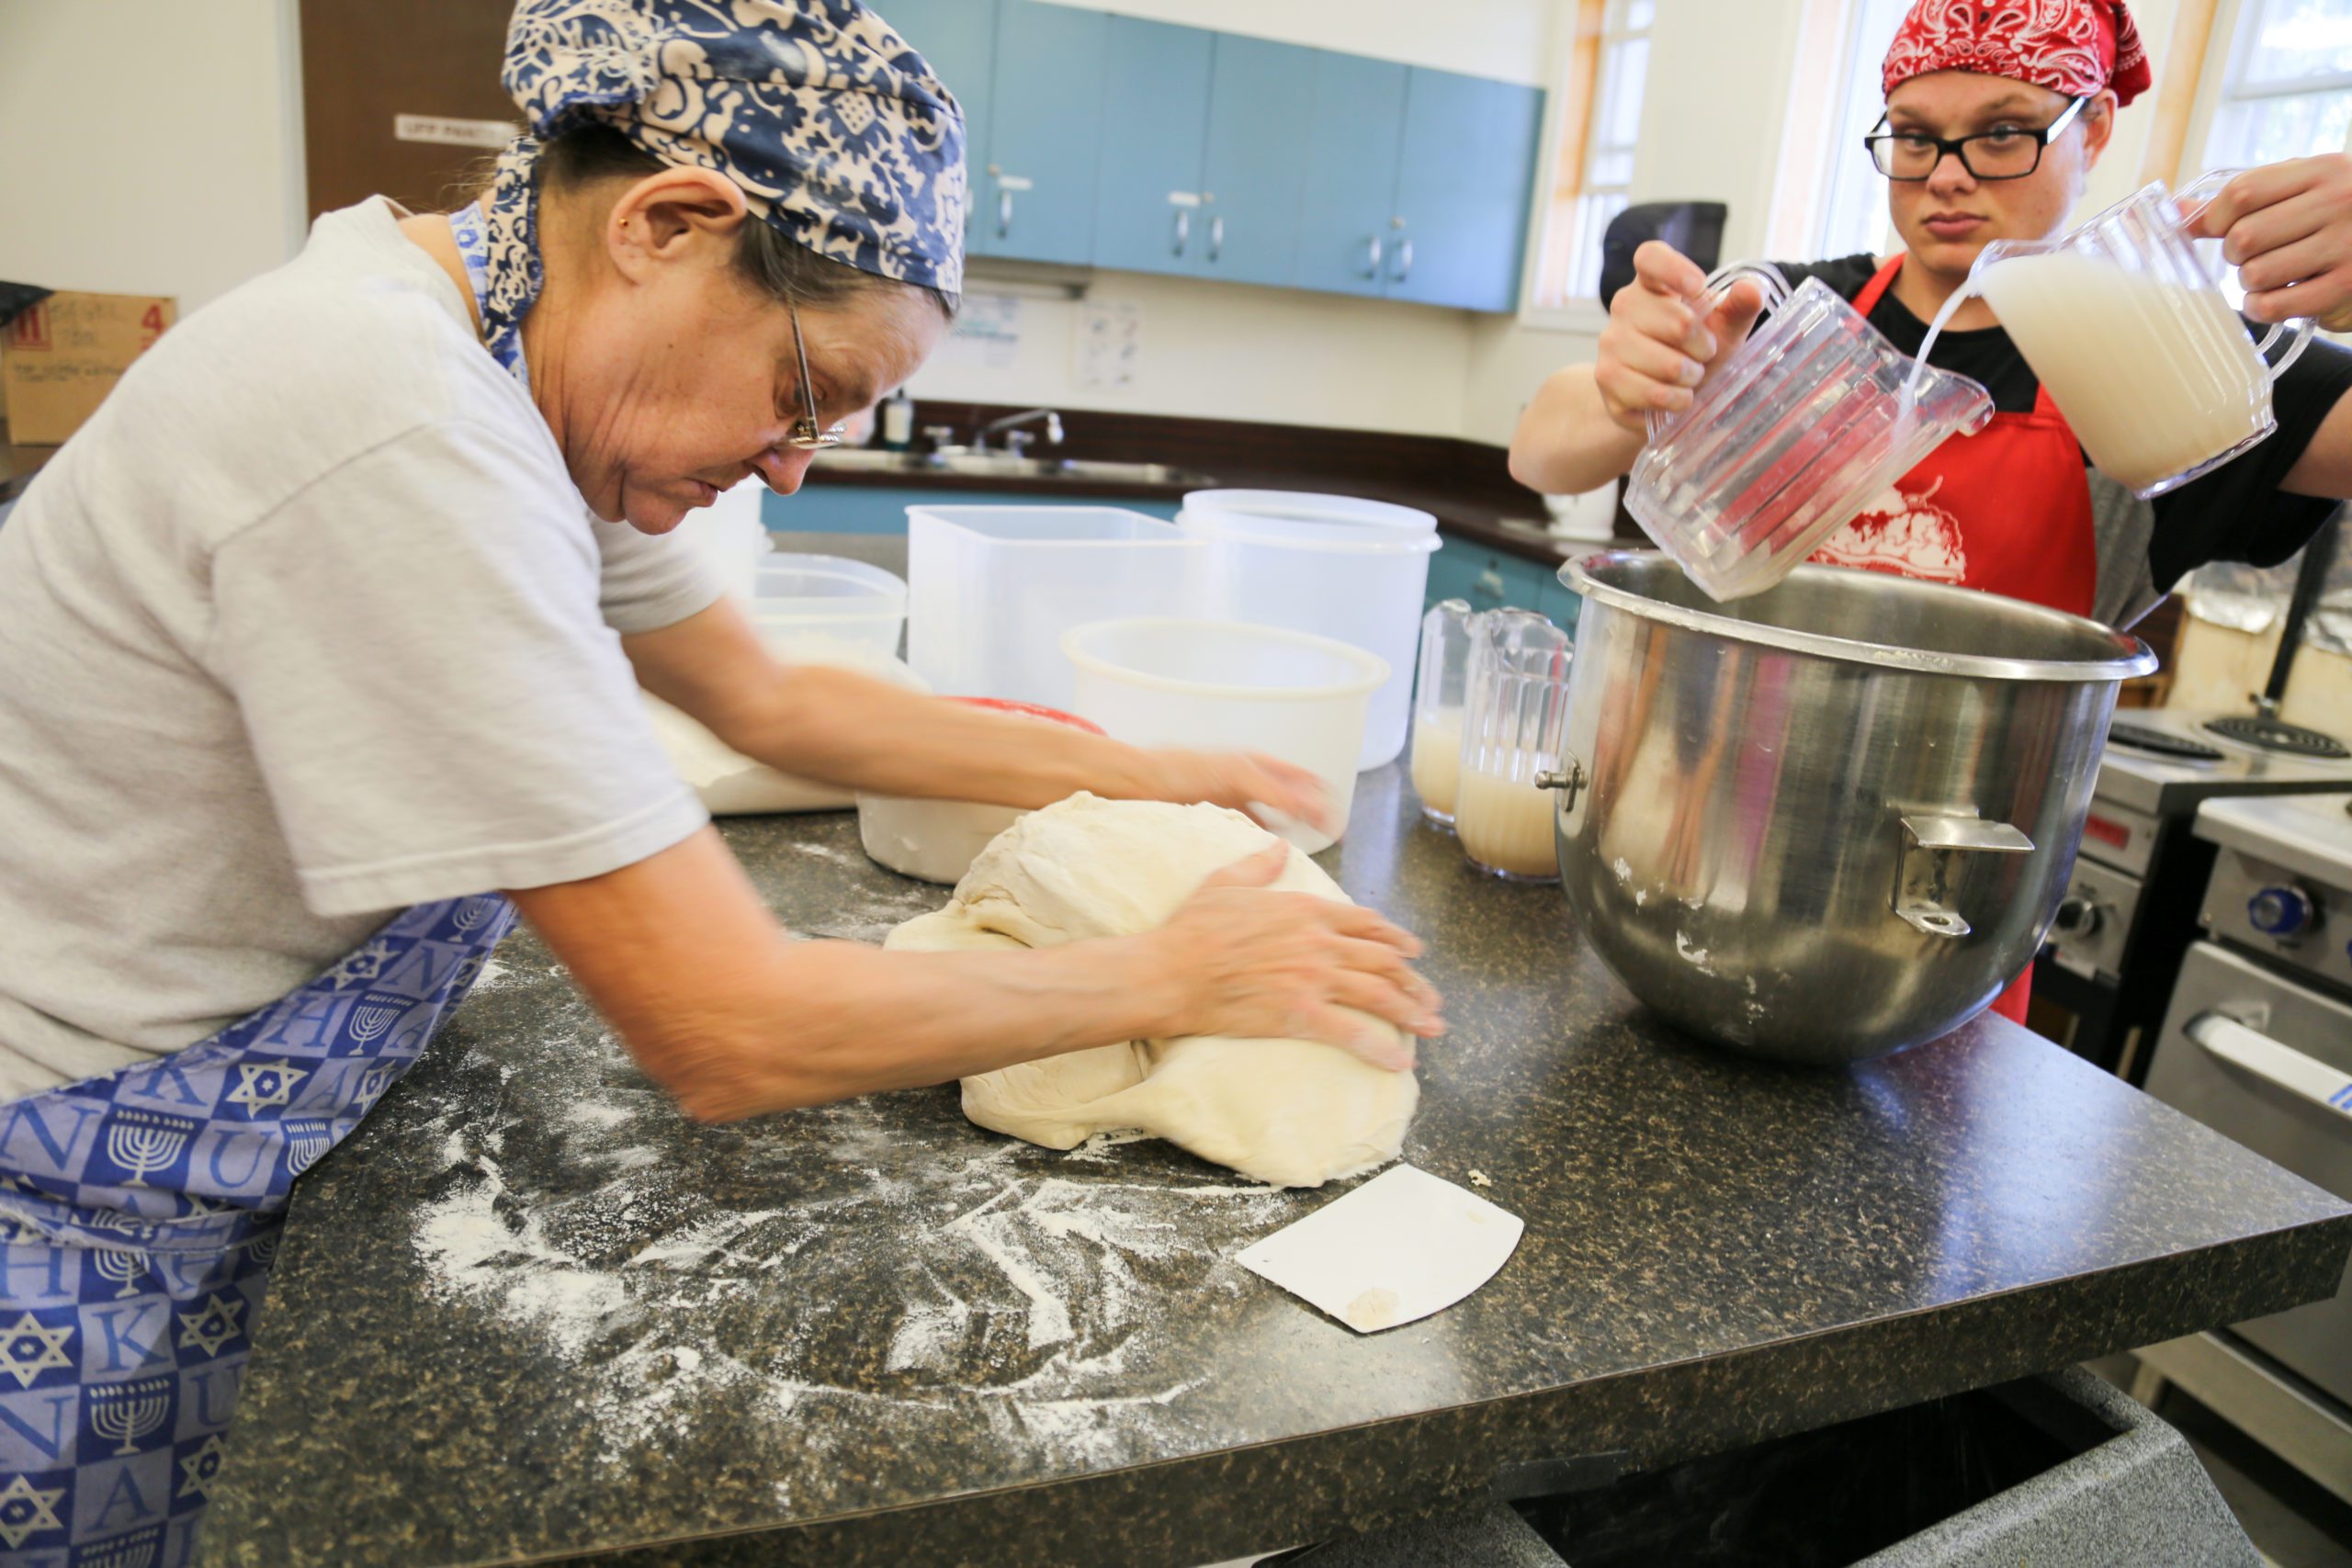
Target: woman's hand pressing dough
1242,780
1258,962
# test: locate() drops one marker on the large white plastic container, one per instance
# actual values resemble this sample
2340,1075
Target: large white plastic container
1304,511
800,600
1219,686
993,589
1333,566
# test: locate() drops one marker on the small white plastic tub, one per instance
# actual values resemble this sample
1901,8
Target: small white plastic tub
817,601
936,841
1216,685
995,587
1330,566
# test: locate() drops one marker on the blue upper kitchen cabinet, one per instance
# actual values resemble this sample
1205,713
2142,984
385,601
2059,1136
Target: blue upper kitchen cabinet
1351,197
958,40
1033,196
1464,179
1254,177
1148,211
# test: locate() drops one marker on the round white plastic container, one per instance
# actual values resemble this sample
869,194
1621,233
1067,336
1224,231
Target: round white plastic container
936,841
1216,685
799,600
1331,566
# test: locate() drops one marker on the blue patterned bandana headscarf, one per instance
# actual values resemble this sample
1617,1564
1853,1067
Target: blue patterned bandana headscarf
834,130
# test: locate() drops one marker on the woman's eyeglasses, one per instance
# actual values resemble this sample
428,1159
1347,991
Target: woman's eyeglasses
807,435
2010,153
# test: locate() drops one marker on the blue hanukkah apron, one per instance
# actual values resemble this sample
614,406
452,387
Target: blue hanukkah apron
139,1215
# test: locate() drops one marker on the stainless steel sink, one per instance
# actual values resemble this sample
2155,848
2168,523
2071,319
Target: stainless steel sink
1005,465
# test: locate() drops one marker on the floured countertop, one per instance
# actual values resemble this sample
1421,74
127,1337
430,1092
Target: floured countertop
528,1312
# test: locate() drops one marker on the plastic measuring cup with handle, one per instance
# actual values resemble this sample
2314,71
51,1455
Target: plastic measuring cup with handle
2123,319
1789,437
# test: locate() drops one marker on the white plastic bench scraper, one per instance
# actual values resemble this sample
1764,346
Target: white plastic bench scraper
1404,1245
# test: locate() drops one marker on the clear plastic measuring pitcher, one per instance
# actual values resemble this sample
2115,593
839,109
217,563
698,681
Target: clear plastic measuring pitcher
1438,701
1514,712
1788,438
2124,320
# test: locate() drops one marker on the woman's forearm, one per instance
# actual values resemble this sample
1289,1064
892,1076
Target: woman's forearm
949,1015
734,1018
863,733
857,731
1566,443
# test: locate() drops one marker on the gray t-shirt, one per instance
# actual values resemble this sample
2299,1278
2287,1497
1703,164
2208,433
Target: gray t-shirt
307,625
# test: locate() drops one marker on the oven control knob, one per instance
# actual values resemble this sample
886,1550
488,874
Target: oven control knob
2281,912
2077,915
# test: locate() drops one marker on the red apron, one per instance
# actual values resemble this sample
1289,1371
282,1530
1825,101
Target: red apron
2007,510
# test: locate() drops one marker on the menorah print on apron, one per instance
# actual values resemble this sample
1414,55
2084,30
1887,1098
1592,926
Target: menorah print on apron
139,1217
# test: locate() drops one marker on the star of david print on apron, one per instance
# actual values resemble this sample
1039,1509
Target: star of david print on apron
138,1216
2007,510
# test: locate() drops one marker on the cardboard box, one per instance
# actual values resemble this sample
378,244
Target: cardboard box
61,356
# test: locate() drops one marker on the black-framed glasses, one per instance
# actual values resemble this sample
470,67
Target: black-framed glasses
806,436
2010,153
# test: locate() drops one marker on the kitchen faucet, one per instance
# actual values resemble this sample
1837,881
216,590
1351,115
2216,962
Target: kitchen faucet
1017,441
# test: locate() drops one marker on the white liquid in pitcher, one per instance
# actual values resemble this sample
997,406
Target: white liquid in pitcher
1505,826
1437,760
2154,377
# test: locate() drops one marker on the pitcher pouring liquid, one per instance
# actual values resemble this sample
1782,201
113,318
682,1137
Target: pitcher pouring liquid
2124,320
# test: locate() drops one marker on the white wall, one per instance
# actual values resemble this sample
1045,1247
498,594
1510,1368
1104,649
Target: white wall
166,161
1225,351
1502,38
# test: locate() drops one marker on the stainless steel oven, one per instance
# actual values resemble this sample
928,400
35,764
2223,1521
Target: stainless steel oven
2131,909
2257,1044
2269,1063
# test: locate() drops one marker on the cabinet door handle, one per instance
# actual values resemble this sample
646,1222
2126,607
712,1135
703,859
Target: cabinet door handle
1216,236
1372,257
1489,585
1404,272
2274,1063
1183,231
1004,213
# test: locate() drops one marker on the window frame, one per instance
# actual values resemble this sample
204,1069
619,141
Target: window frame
2225,88
1583,102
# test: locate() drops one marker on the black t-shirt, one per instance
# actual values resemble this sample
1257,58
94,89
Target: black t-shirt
2235,513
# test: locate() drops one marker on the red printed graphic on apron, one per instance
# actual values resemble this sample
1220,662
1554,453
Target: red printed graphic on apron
1905,534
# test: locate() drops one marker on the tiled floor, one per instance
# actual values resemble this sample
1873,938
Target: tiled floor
2292,1522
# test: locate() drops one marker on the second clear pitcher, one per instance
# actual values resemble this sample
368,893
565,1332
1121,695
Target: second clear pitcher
2123,319
1515,709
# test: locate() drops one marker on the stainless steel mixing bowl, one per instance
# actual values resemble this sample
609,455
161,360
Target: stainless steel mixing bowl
1833,819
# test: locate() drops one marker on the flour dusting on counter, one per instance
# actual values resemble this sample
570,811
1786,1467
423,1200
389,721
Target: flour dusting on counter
947,1268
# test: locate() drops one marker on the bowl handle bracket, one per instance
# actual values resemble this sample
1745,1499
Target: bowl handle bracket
1929,864
1569,780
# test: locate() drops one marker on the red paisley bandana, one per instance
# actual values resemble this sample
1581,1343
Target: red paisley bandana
2075,46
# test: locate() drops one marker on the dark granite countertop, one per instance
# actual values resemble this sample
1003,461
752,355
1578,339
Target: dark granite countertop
528,1312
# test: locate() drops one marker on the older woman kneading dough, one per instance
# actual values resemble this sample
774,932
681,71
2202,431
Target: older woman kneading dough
330,626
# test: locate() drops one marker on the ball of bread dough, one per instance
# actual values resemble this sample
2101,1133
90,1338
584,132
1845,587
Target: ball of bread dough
1289,1113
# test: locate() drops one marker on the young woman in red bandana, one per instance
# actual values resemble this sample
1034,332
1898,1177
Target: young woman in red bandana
1995,117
